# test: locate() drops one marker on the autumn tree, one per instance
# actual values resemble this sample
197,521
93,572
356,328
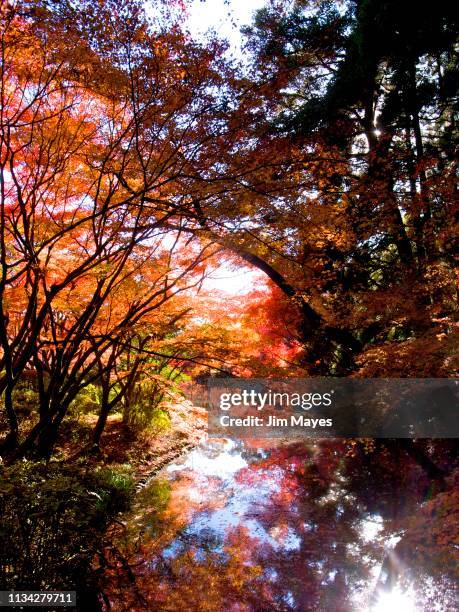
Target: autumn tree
130,154
110,129
354,216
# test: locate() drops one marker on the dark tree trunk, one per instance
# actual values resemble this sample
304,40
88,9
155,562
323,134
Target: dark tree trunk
101,423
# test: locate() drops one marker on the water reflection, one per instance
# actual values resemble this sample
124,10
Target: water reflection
317,527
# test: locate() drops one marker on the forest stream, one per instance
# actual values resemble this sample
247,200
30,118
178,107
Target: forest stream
254,196
232,526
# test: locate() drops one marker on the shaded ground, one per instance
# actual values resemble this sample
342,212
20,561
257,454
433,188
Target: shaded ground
146,452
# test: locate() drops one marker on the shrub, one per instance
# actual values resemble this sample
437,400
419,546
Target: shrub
52,521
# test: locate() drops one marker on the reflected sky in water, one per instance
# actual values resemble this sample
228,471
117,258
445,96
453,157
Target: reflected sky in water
303,527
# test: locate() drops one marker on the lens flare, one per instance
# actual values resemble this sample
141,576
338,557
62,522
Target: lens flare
395,601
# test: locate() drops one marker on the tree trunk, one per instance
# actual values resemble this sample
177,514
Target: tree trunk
47,437
101,423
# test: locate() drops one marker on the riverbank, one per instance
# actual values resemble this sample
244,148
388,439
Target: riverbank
62,510
144,452
188,429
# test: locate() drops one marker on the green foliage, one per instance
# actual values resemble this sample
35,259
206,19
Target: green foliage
52,519
87,401
153,500
144,408
25,399
143,416
114,487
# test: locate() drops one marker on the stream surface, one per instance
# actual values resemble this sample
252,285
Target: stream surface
234,527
